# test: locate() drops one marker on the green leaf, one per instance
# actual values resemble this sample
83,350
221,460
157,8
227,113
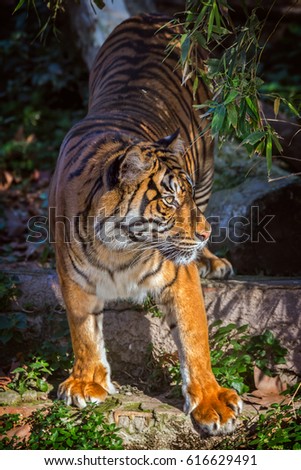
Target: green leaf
6,322
200,17
269,147
213,67
252,108
185,45
20,4
217,16
195,86
253,138
200,39
240,387
42,385
231,97
277,143
5,338
218,119
232,114
276,106
291,107
210,24
17,370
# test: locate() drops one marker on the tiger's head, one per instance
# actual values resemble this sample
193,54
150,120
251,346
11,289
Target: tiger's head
149,202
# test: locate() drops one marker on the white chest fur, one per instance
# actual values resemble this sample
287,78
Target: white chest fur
120,285
123,284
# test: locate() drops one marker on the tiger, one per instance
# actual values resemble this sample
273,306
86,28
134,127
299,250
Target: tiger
128,194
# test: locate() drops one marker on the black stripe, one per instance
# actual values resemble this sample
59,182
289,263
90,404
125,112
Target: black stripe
78,270
151,273
169,284
112,173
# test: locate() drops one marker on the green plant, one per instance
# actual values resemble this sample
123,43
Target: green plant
61,428
32,376
231,72
7,423
8,289
149,305
12,326
55,8
234,352
278,429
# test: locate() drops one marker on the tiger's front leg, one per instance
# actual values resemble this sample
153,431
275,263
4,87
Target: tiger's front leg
90,378
214,409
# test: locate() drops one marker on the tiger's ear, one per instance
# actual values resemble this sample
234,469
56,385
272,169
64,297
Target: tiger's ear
135,165
173,142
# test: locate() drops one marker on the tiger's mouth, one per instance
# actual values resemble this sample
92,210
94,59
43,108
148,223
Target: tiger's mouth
144,236
180,251
183,252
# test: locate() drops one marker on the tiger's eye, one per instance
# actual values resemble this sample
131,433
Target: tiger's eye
169,199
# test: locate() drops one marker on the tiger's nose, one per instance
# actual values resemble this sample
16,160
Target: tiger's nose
202,236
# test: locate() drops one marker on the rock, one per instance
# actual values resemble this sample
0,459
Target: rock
263,304
30,396
258,225
9,397
20,432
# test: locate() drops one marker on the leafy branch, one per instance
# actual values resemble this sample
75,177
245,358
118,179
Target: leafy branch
55,8
231,73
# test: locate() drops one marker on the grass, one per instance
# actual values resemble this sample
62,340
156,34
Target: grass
61,428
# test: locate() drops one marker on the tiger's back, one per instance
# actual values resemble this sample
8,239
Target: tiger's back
136,88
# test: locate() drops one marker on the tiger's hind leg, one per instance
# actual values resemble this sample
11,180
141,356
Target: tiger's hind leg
213,267
90,378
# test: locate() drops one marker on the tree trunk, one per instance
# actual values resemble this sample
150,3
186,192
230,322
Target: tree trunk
91,26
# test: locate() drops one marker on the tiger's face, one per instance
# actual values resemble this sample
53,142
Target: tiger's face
151,205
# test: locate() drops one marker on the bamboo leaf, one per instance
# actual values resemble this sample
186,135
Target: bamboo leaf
254,137
200,16
269,148
293,109
252,108
260,148
277,143
210,24
185,45
20,4
232,114
195,86
276,106
217,15
218,119
231,97
201,39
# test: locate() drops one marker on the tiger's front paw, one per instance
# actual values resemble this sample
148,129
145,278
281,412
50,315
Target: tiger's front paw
89,384
78,392
216,412
215,268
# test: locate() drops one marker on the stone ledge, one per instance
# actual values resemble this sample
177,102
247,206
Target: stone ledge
266,303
